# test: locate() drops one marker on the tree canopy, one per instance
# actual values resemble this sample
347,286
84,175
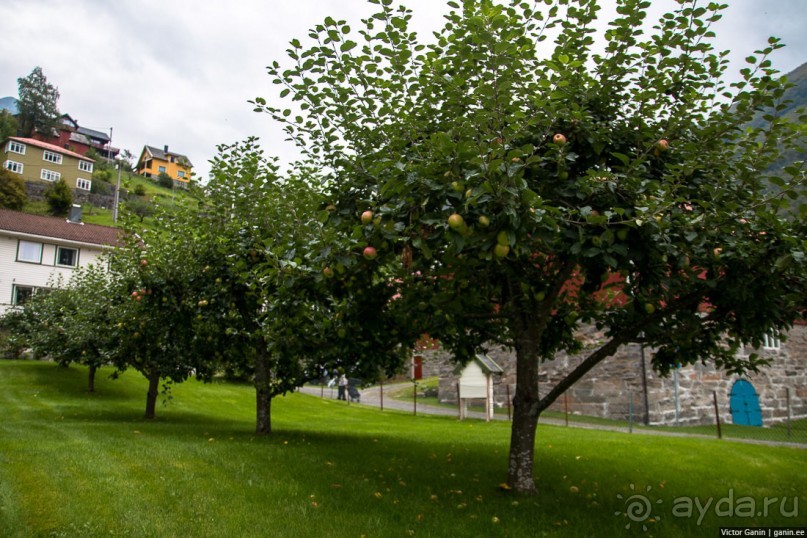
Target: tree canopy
522,181
37,103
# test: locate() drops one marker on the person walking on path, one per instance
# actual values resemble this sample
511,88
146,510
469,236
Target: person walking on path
342,383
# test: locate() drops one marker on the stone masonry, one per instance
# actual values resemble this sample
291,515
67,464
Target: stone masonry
606,391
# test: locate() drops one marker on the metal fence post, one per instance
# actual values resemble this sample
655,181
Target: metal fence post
787,394
566,407
717,416
509,403
630,410
415,398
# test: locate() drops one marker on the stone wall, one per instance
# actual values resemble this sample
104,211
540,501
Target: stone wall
35,191
607,390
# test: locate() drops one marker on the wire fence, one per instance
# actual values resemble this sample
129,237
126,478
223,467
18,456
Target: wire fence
719,418
733,419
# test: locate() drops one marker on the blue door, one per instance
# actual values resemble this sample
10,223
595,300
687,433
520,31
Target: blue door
744,404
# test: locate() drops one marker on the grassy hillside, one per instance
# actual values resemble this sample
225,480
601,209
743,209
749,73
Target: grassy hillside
93,214
78,464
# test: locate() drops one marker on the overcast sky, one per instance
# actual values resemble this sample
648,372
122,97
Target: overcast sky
180,72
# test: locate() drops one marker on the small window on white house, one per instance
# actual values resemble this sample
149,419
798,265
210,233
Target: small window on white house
16,147
84,184
771,341
21,294
50,175
85,166
66,257
13,166
52,157
28,251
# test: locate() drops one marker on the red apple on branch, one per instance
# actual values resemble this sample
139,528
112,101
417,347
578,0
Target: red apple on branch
370,253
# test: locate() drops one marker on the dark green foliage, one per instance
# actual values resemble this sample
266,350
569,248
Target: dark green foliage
37,103
8,125
164,180
617,189
12,190
139,207
59,197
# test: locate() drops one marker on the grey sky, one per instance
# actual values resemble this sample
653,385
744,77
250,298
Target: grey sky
180,72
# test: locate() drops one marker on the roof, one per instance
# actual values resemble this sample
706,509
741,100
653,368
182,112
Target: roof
163,155
50,147
487,364
57,228
10,104
92,133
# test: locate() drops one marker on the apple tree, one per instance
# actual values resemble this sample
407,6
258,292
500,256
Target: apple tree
291,299
153,307
532,170
68,322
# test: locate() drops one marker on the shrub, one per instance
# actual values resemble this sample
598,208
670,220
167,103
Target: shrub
59,198
12,190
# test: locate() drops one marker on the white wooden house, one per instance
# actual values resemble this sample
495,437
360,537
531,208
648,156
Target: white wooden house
35,250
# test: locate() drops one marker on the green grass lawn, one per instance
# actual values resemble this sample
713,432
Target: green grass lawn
78,464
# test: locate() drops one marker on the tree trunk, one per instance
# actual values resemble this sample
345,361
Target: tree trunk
528,321
91,378
525,422
151,396
263,394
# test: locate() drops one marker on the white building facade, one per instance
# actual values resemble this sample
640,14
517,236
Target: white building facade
36,250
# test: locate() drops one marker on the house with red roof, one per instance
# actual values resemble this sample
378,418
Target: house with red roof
73,137
36,250
38,161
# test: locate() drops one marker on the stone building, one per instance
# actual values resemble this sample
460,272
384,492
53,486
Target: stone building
685,397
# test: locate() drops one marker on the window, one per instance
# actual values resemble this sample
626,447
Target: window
181,174
67,257
85,184
16,147
771,341
85,166
13,166
161,169
50,175
21,294
28,251
52,157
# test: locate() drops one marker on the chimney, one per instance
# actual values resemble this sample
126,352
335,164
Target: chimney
75,214
165,148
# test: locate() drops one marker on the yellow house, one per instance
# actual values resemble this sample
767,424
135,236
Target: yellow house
154,161
39,161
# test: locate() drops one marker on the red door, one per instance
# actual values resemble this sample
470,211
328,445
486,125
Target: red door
417,367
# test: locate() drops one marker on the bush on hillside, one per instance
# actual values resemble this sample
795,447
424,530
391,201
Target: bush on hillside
12,190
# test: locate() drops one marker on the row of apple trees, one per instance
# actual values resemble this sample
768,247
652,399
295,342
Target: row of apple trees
230,279
526,172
